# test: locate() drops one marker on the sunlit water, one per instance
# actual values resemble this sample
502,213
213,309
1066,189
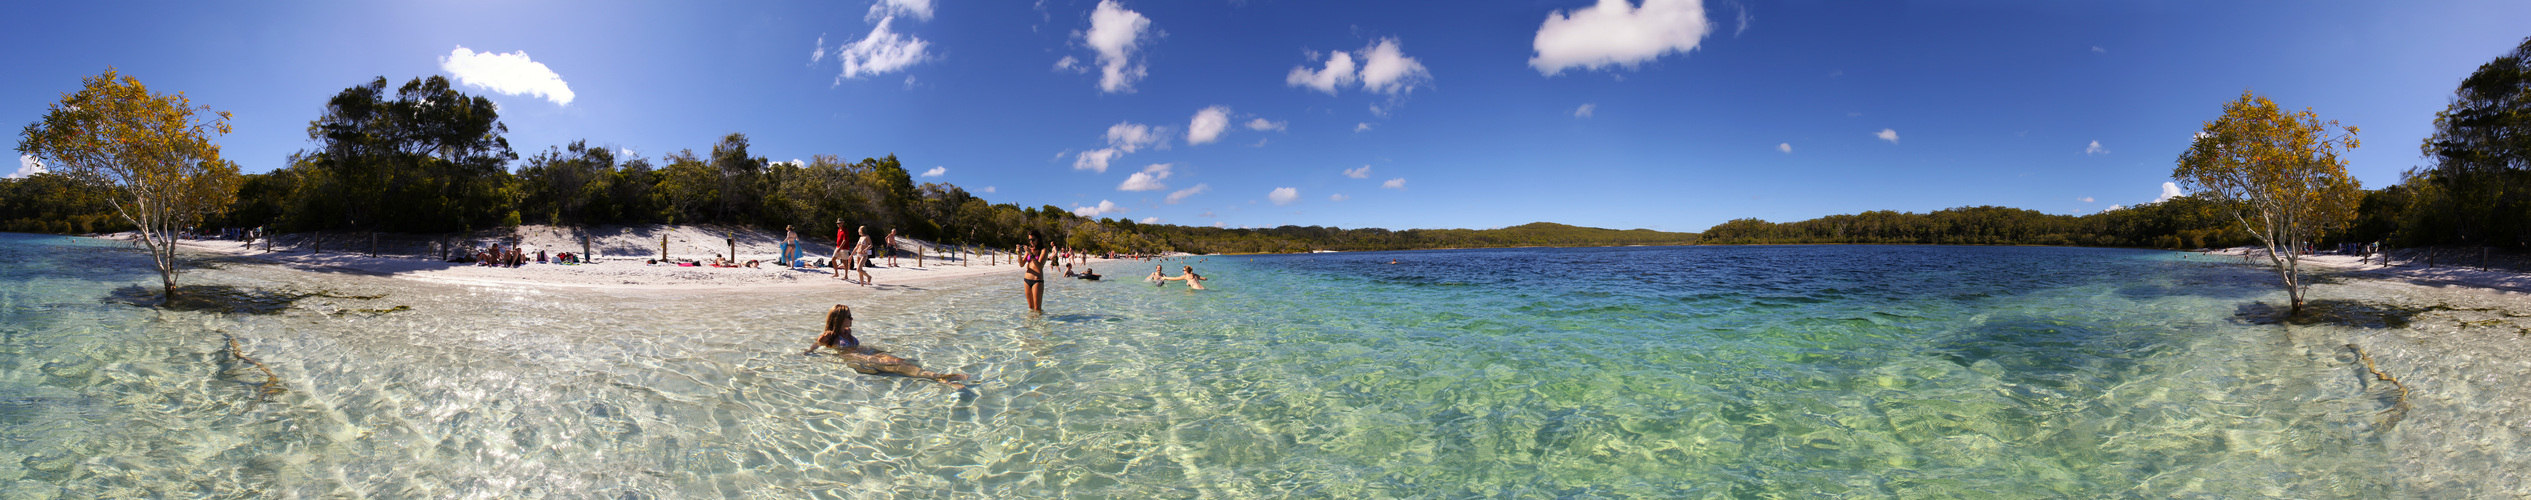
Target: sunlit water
1620,372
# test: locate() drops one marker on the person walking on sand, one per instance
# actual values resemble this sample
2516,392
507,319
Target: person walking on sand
867,360
1032,269
889,246
790,247
861,255
836,261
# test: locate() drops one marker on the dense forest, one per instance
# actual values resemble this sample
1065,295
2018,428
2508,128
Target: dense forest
425,158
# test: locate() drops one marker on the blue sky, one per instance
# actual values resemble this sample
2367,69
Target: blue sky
1664,114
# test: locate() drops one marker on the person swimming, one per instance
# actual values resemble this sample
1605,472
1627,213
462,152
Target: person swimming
1157,274
1089,274
867,360
1193,281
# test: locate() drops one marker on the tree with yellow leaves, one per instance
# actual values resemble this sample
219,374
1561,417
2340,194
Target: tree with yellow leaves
154,150
2280,174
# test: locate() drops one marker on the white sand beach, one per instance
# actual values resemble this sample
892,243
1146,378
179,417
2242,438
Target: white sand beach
622,255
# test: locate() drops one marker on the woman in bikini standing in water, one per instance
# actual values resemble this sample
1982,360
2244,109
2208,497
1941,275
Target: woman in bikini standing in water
1032,269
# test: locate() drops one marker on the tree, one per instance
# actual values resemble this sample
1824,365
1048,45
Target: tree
2280,175
2482,152
430,159
154,149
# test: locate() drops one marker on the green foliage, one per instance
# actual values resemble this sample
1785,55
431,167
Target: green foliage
2182,222
426,158
2481,147
55,203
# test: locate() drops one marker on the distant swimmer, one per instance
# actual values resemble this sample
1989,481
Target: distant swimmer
1392,262
1089,274
867,360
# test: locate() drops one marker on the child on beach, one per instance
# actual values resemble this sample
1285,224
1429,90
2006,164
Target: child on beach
870,361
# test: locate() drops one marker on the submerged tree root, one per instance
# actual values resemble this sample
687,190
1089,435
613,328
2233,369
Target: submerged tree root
2399,402
272,382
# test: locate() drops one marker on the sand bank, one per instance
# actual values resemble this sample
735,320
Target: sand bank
622,256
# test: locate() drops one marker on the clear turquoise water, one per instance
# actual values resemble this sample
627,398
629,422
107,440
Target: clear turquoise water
1613,372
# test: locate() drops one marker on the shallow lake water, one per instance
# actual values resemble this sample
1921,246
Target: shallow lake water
1616,372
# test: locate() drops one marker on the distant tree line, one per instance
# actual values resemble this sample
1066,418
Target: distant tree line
2181,222
425,158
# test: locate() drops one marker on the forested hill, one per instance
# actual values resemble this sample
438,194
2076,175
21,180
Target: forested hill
2182,222
1307,238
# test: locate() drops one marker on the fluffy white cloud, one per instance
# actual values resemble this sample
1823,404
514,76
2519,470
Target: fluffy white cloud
1283,196
1220,224
1359,173
1180,195
883,51
1338,73
1784,147
1887,135
2097,50
1362,127
1123,137
2095,149
1208,125
2113,208
2086,199
1069,63
510,74
1262,125
2169,190
1397,183
818,53
936,171
917,9
1103,208
1338,197
1383,68
988,189
1151,220
1095,160
1146,180
1585,111
1617,33
27,165
1116,33
1387,70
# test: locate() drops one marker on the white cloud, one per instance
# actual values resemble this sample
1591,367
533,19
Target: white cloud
1103,208
1338,73
1115,33
2097,50
1262,125
1095,160
1151,220
917,9
509,74
1784,147
1362,127
1072,64
1382,68
1146,180
1180,195
819,52
988,189
1387,70
1585,110
1397,183
623,153
1616,33
883,51
2113,208
2095,149
2169,190
1208,125
795,162
1744,22
1887,135
936,171
2086,199
1220,224
1338,197
1283,196
1122,138
1359,173
27,165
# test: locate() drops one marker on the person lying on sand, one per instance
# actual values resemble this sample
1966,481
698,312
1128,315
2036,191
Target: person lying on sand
867,360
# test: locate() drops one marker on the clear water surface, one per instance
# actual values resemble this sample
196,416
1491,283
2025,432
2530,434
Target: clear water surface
1601,372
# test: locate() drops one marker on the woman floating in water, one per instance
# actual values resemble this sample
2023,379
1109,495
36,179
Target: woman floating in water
867,360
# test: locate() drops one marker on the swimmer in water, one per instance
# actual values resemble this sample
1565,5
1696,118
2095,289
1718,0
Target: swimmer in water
870,361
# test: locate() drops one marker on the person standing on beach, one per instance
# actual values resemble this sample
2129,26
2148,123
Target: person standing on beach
790,247
1032,269
890,247
861,255
837,261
